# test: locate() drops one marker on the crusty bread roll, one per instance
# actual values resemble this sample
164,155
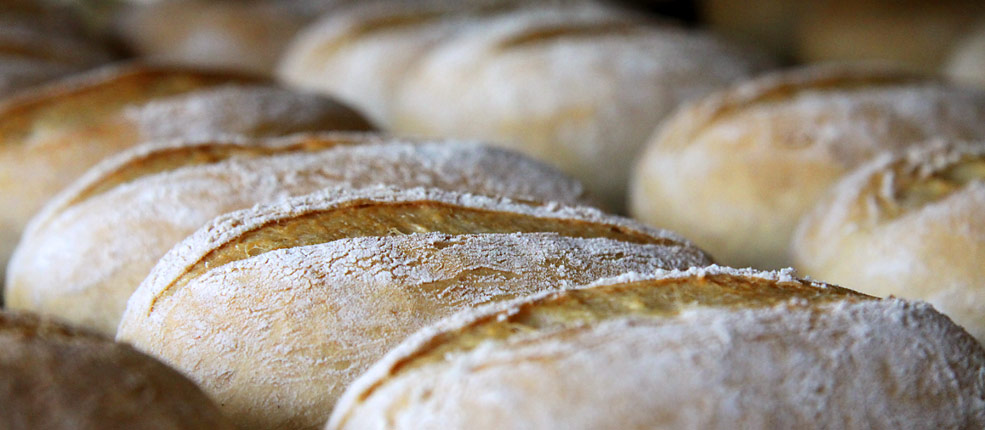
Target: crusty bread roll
741,166
100,238
361,53
49,137
56,377
240,35
966,64
912,225
916,34
274,310
711,348
580,87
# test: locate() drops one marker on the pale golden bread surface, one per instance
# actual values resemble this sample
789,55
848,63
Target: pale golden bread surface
50,137
714,348
743,165
99,239
361,53
911,226
237,35
581,87
53,376
274,310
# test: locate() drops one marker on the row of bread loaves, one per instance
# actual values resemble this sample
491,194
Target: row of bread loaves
578,84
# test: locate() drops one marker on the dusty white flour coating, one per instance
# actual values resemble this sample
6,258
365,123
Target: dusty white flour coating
747,163
277,337
884,364
361,53
230,226
581,87
253,110
95,252
868,235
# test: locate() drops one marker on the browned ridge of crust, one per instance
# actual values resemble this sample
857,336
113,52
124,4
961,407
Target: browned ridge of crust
915,183
173,158
786,86
361,218
405,19
77,100
653,298
546,34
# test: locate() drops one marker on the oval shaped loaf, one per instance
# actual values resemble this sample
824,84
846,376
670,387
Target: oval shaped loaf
745,164
274,310
51,136
581,87
98,240
53,376
909,225
248,36
361,52
711,348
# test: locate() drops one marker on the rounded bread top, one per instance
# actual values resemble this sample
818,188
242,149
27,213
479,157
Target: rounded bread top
737,346
330,215
102,91
850,112
56,376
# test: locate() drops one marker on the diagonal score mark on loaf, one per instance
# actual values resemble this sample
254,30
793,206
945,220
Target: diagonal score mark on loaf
363,217
551,33
922,178
783,88
213,152
390,20
74,103
559,313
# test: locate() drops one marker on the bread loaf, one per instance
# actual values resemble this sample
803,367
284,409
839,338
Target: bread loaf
55,377
361,53
98,240
909,225
711,348
50,137
238,35
743,165
581,87
274,310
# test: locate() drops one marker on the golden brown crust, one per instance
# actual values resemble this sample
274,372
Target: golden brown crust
705,348
51,137
350,272
75,100
747,163
53,376
693,119
210,152
908,225
359,218
658,298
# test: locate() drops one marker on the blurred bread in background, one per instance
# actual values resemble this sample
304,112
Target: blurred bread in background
736,170
56,377
910,225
